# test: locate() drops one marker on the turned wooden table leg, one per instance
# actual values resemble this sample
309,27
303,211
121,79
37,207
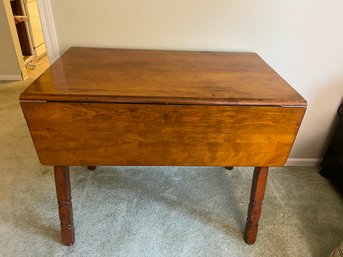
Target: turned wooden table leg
65,208
91,167
258,186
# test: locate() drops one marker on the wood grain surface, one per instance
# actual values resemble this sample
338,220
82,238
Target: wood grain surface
258,188
146,107
65,207
167,77
147,134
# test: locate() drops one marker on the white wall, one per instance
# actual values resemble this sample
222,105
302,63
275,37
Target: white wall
302,40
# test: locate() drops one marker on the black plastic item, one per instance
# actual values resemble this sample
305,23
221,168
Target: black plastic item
332,164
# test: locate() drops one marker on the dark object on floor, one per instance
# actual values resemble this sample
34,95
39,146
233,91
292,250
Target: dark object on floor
332,164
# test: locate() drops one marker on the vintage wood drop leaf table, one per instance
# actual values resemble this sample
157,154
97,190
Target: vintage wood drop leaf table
165,108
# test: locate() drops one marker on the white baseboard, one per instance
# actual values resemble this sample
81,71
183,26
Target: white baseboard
11,77
304,162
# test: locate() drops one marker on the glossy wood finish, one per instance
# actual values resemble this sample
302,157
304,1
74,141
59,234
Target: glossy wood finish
258,186
65,208
132,134
140,107
172,77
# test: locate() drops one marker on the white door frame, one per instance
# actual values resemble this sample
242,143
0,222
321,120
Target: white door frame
49,30
14,34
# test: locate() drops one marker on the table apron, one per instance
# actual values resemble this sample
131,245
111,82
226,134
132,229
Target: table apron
66,133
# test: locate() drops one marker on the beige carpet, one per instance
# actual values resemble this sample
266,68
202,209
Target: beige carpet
156,211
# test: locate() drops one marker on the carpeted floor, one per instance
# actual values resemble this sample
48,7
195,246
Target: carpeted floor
156,211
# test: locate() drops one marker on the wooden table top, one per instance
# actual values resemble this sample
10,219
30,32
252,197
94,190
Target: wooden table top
166,77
